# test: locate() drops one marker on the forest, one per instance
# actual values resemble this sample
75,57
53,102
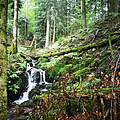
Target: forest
59,59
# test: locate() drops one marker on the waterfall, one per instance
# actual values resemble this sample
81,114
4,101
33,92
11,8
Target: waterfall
24,97
35,77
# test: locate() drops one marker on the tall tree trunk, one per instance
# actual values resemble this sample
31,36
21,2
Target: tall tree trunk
106,2
92,12
66,17
15,26
47,31
3,59
83,11
26,21
54,25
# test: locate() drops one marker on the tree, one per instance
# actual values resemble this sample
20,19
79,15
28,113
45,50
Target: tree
53,17
65,9
15,26
61,16
3,59
47,31
54,30
83,11
41,21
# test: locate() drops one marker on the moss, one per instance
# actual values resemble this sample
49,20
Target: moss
13,49
104,43
3,94
66,69
3,101
3,61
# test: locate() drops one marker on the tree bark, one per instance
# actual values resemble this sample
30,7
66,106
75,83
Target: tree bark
15,26
66,17
54,25
33,43
47,31
83,11
3,59
26,21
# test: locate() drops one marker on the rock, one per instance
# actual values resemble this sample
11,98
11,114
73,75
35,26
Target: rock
28,103
20,112
33,92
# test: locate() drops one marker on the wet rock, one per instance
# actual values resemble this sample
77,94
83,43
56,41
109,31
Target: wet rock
22,117
39,89
35,91
20,112
28,103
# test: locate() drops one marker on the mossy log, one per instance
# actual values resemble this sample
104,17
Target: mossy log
104,43
82,48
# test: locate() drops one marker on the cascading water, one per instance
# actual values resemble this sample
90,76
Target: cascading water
35,77
31,85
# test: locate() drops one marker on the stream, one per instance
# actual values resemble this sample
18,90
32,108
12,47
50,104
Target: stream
36,77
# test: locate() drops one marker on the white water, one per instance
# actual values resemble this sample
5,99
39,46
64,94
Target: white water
31,72
31,85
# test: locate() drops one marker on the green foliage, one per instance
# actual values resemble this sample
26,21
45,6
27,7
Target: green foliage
14,88
81,73
71,64
14,75
23,24
16,69
66,69
83,87
14,81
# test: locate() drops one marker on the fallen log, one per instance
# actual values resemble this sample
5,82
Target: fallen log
76,49
82,48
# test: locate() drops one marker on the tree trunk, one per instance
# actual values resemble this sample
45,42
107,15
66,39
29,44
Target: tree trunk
33,43
106,7
83,11
15,26
54,25
65,16
3,59
26,21
92,16
47,31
